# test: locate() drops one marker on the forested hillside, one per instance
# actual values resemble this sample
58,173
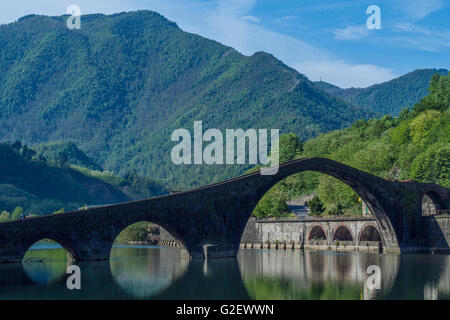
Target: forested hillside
122,84
415,145
389,97
60,153
29,184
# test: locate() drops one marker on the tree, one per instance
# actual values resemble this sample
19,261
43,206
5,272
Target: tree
337,210
136,232
439,97
59,211
4,216
17,146
27,153
272,205
18,211
63,160
421,126
433,165
316,206
404,114
291,147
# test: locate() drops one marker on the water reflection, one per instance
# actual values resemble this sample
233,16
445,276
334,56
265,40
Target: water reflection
45,264
422,277
208,280
314,275
142,273
166,273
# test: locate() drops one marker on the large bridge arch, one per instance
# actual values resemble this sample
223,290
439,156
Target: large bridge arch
370,188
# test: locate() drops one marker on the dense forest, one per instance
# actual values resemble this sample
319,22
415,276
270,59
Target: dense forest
122,84
388,97
415,145
32,184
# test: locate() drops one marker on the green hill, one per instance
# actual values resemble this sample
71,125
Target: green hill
415,145
27,181
118,88
389,97
60,152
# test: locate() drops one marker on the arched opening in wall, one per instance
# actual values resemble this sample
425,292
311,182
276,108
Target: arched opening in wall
145,259
342,233
431,204
317,234
46,261
370,233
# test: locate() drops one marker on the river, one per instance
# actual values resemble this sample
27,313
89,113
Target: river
166,273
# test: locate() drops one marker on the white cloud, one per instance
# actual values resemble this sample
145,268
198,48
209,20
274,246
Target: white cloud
286,18
422,38
418,9
351,32
345,75
251,19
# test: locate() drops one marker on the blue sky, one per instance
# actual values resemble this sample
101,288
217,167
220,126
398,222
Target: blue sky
321,39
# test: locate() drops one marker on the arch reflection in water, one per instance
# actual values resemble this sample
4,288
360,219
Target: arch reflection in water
143,272
442,286
422,276
313,275
45,262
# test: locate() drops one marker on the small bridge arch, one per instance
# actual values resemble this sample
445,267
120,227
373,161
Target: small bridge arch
72,253
316,232
343,233
369,232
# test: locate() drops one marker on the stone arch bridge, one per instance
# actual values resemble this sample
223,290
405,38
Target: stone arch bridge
218,213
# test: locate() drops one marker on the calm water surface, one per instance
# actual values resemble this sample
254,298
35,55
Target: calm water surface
165,273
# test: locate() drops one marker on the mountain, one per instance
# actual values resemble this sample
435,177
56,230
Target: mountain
122,84
388,97
28,181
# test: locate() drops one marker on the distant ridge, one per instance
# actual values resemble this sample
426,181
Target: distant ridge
389,97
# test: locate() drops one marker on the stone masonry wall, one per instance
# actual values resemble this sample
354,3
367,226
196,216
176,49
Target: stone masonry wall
295,234
438,230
